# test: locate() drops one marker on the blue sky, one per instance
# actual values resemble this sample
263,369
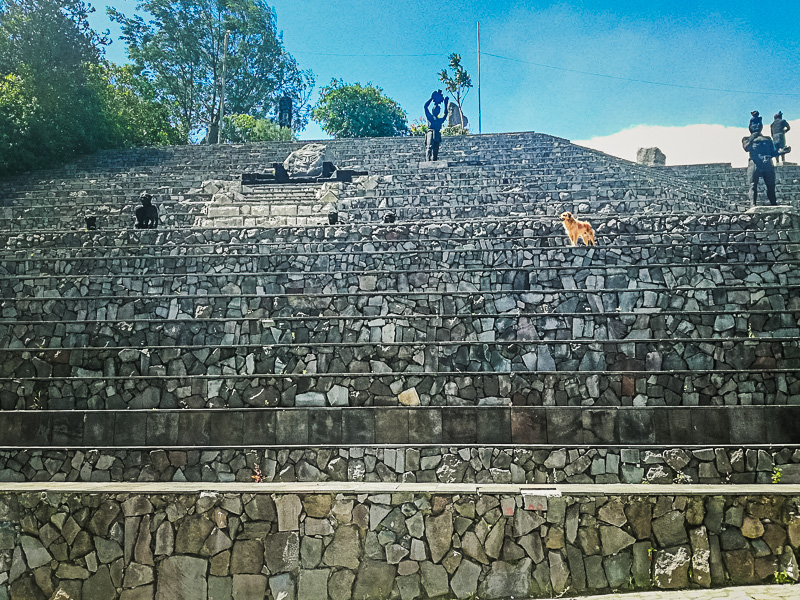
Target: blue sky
401,45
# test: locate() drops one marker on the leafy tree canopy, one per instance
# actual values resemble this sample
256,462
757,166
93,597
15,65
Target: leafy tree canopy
458,83
246,128
131,115
180,50
353,110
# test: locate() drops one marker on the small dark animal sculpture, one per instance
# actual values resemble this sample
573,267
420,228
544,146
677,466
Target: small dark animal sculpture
91,223
146,214
389,218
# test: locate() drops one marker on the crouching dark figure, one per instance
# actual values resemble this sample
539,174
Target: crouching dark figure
146,214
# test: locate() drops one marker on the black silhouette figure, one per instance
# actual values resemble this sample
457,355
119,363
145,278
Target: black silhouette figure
333,218
762,151
778,129
146,214
433,137
91,223
389,218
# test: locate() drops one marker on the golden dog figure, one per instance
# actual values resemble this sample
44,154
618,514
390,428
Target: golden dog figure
577,229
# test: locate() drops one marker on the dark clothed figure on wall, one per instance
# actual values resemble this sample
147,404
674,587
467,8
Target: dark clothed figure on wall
146,214
778,129
436,118
91,223
762,151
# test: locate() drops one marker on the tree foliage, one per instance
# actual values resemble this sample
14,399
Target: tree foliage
46,46
353,110
246,128
180,50
458,84
131,116
57,97
419,127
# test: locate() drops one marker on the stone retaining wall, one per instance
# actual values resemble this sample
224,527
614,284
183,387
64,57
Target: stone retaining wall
433,464
375,546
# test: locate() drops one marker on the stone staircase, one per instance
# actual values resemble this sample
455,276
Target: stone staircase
724,180
465,344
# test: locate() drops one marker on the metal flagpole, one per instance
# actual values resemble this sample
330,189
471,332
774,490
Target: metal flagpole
479,77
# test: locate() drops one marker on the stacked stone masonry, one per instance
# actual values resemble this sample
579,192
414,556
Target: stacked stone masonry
464,344
375,546
427,464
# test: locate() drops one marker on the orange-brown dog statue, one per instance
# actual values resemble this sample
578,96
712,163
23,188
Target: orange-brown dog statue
577,229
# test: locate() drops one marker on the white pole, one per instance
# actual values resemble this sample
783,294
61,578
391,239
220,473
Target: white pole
479,77
222,91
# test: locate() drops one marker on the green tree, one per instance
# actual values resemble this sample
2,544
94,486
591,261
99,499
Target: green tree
458,84
131,116
246,128
181,51
18,118
353,110
48,46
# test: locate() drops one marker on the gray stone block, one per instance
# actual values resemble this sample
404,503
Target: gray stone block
325,426
194,428
710,426
98,428
494,425
225,428
564,426
425,426
636,426
391,426
291,427
130,429
162,428
459,425
258,427
358,426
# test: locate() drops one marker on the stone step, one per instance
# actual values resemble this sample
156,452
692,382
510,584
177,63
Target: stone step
412,280
230,382
534,259
424,463
58,321
736,226
553,427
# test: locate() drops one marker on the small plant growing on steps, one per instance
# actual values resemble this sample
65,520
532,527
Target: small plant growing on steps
777,474
258,476
783,577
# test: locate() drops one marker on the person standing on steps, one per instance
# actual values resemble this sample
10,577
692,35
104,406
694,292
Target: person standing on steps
762,151
779,128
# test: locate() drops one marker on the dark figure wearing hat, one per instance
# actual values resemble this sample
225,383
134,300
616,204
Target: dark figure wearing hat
146,214
762,151
779,128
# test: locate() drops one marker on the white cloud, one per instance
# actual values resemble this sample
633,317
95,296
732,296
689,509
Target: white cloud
692,144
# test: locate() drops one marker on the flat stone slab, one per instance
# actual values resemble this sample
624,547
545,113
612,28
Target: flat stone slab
770,210
434,164
344,487
750,592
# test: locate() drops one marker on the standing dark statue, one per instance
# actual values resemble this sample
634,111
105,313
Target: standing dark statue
285,112
436,118
762,151
146,214
778,129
